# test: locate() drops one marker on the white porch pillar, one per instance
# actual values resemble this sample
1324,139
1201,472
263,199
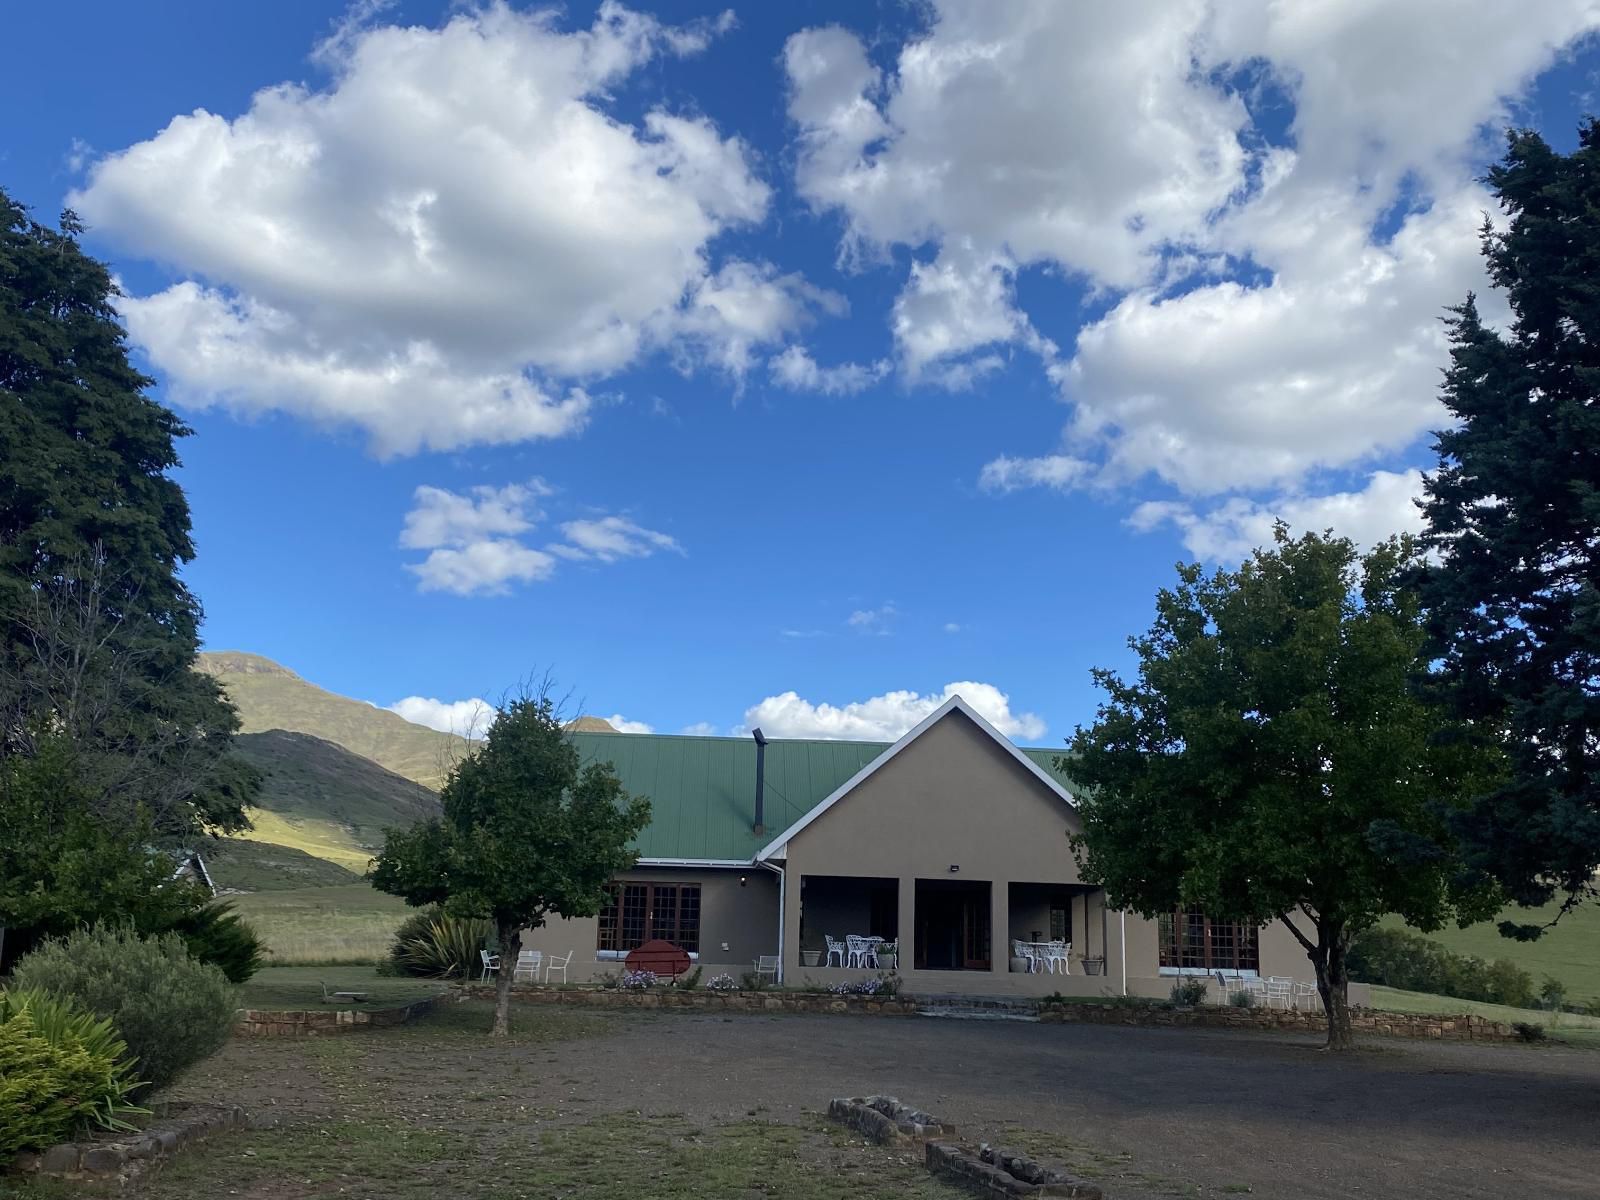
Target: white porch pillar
905,924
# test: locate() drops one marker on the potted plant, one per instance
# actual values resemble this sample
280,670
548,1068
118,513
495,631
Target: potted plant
1094,966
888,955
810,958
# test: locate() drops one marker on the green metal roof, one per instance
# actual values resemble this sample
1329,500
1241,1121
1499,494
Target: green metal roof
702,789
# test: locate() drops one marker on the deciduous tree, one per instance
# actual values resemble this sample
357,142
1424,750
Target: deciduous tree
528,832
1273,761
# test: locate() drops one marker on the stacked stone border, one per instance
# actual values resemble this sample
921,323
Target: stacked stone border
884,1120
984,1171
714,1001
1362,1020
120,1161
256,1022
991,1171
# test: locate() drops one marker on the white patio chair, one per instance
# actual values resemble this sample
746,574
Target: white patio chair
1306,996
1059,954
767,964
1280,992
834,948
528,965
1025,950
860,951
556,963
491,964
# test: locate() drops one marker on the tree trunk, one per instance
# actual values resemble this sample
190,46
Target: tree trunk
1333,982
510,937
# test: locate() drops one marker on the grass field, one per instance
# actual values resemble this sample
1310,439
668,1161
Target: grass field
1570,951
319,838
348,924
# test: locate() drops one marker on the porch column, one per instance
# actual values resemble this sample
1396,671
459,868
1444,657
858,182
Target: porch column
906,924
789,894
999,927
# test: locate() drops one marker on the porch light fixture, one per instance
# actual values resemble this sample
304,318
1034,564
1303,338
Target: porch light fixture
954,868
741,881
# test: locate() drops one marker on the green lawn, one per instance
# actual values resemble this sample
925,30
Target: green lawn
297,987
349,923
1570,951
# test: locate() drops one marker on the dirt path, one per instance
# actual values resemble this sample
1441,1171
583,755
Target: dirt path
1150,1112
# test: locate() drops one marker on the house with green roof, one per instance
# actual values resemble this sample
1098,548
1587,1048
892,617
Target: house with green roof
811,859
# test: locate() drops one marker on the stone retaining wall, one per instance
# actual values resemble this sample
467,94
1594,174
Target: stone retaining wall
254,1022
116,1161
1362,1020
660,997
990,1171
884,1120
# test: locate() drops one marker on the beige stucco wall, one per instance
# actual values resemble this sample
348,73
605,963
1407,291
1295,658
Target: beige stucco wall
951,798
745,919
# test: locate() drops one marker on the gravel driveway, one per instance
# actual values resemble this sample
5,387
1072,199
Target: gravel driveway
1159,1107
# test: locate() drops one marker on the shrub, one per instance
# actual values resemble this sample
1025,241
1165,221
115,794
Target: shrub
1188,993
638,981
754,981
1529,1032
171,1010
437,946
60,1069
1242,998
723,983
218,935
883,985
1399,958
1552,993
690,981
608,979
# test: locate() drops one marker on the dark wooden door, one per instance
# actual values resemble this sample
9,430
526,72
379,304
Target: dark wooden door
975,932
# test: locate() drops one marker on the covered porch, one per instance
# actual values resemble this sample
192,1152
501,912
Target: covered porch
950,935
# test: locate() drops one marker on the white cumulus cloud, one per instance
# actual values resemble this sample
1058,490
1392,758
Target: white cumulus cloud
1229,531
622,725
1265,301
795,369
465,718
611,538
476,540
440,244
885,718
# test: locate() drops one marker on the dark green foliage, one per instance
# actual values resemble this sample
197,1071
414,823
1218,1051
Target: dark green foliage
440,946
98,632
1513,599
691,981
1273,761
61,1069
1529,1032
1189,993
755,981
528,832
171,1010
218,935
1398,958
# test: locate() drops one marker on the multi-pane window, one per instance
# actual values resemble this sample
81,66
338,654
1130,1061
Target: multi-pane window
1192,941
1060,923
636,913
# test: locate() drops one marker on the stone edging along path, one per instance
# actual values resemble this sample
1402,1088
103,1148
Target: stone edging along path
258,1022
1362,1020
321,1022
1365,1021
120,1159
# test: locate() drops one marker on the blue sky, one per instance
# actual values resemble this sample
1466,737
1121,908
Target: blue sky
785,367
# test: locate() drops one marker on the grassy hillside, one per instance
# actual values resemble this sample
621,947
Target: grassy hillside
249,865
322,799
270,697
1570,951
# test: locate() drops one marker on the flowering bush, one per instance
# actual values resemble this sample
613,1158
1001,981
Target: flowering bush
860,987
723,983
639,980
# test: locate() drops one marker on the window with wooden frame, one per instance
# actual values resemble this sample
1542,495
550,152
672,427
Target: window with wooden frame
636,913
1191,941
